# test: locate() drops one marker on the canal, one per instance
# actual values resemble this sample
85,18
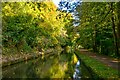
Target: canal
50,67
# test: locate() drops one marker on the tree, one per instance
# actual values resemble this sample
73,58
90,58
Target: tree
118,25
114,32
96,27
29,25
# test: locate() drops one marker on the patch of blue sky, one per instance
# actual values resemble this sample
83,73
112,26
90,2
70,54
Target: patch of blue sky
56,2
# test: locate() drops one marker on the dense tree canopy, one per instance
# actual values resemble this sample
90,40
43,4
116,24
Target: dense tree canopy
98,27
29,25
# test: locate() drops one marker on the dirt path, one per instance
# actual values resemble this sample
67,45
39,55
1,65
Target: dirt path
114,63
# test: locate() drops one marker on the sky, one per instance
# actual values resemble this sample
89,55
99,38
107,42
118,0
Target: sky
56,2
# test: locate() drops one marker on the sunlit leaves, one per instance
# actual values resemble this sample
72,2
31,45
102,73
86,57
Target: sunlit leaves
33,24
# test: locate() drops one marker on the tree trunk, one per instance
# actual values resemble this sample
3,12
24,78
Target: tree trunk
114,32
118,26
94,39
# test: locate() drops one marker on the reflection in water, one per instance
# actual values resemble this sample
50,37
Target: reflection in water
50,67
77,73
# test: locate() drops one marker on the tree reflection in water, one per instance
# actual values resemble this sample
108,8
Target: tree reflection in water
49,67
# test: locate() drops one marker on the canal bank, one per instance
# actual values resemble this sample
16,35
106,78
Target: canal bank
97,69
91,75
24,57
13,56
17,58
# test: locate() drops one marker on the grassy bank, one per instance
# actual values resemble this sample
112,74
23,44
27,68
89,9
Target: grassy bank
99,68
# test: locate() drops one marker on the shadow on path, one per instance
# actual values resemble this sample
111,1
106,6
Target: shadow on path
111,62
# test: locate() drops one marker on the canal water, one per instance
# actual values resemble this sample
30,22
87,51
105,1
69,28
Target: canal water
49,67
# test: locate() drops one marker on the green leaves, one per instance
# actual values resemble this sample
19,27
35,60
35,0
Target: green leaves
33,24
96,27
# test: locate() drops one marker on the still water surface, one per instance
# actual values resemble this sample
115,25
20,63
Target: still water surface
49,67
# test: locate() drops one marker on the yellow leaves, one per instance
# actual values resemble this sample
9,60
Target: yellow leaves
7,7
63,33
48,13
7,10
74,59
51,5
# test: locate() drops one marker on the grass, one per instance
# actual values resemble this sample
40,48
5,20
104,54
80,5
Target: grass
99,68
